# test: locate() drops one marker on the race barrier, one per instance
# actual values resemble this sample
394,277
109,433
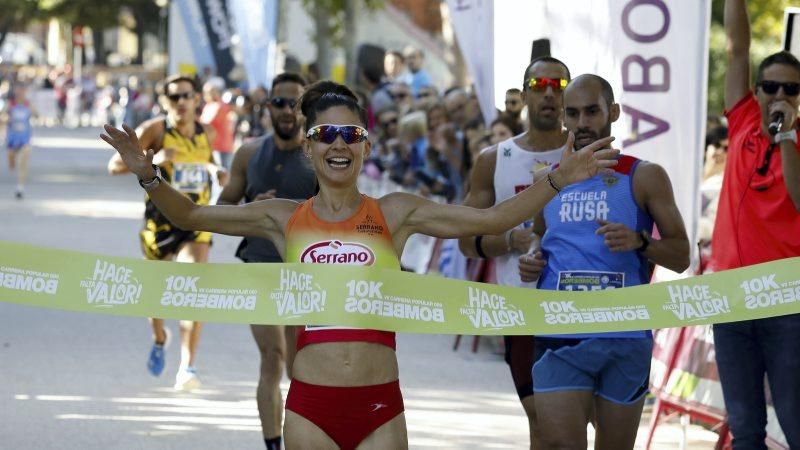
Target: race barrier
358,296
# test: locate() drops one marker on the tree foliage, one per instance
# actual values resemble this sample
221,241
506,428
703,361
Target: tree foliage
334,9
766,28
102,14
97,14
140,16
16,14
19,12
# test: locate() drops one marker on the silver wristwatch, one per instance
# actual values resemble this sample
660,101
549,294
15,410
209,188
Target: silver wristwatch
149,185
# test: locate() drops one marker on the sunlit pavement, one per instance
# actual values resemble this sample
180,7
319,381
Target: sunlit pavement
78,381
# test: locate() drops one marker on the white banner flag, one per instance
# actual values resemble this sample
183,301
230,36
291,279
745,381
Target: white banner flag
655,55
473,22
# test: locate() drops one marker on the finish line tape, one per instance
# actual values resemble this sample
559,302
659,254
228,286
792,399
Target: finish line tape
352,296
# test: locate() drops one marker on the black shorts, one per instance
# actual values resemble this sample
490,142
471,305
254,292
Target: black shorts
520,357
160,238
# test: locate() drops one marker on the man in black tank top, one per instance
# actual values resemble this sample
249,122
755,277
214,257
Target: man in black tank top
272,166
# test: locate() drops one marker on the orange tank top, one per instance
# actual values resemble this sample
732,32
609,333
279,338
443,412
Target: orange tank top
363,239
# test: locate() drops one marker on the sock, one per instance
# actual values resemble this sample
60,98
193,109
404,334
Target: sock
20,188
273,444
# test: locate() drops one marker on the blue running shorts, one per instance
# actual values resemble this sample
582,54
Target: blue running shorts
616,369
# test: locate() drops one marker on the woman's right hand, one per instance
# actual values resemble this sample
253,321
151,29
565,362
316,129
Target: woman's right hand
126,144
585,163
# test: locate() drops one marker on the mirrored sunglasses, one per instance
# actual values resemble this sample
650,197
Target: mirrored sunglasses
327,133
541,83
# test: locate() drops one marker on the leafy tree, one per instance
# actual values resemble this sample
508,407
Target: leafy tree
336,26
16,15
766,28
102,14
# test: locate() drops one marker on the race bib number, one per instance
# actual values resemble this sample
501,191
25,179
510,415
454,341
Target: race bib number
587,280
190,178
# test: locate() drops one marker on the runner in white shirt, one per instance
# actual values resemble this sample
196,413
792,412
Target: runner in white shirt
505,169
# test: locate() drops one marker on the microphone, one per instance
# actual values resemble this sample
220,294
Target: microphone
775,123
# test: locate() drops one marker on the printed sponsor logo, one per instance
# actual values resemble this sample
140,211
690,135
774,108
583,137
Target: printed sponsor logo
182,292
765,292
28,280
111,284
692,303
583,206
337,252
369,226
590,280
610,180
566,313
377,406
298,294
365,297
490,311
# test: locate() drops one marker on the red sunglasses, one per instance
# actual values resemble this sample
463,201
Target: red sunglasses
541,83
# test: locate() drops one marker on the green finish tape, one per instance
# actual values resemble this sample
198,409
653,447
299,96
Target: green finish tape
383,299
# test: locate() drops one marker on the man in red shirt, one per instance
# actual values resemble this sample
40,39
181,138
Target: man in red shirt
758,220
222,118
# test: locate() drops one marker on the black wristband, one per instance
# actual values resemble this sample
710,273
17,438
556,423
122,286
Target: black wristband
645,242
478,249
553,184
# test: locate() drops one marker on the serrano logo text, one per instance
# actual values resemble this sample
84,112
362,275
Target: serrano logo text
337,252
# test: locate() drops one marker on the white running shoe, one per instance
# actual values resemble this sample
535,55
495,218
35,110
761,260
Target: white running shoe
186,379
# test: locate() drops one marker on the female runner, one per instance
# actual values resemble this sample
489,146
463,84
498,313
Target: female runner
345,392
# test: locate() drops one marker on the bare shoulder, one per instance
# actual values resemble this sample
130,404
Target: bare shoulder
279,209
397,206
150,131
241,158
651,172
481,180
487,158
651,179
398,200
249,148
156,124
280,204
485,164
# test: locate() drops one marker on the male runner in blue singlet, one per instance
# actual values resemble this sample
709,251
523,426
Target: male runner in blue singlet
597,235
